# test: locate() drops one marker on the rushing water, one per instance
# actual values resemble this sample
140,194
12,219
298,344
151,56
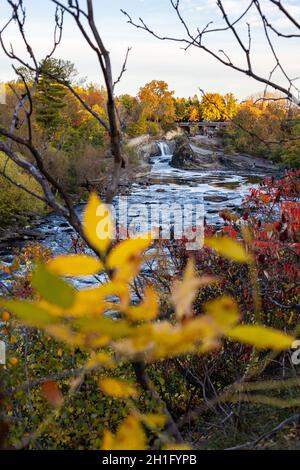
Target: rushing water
215,189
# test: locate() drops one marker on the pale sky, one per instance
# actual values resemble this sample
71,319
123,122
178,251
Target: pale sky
185,71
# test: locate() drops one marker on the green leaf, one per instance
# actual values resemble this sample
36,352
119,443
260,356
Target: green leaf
53,289
28,312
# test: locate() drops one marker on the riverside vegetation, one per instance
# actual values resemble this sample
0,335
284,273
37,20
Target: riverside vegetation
202,359
76,148
71,366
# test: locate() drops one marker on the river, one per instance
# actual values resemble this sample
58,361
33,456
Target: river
216,190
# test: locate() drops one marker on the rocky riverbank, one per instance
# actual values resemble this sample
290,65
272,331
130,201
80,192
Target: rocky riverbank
200,153
20,231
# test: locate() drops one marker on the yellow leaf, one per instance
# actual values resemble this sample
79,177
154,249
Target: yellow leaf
126,258
184,292
130,436
101,358
162,339
229,249
261,337
60,352
75,265
103,326
94,300
108,442
29,313
118,388
65,334
224,311
154,421
140,343
93,333
148,309
98,224
14,361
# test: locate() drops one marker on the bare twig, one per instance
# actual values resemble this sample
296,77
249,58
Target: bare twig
295,419
123,70
196,40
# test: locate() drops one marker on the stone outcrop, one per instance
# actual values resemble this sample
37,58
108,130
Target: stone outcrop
190,154
184,156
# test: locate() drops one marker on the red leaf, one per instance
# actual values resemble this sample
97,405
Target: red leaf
53,394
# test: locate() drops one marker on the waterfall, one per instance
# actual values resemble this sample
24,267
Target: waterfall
164,149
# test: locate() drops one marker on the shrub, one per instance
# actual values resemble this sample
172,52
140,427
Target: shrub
92,342
137,128
153,128
14,200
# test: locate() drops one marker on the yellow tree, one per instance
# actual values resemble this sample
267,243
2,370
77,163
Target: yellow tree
215,107
158,102
212,107
194,114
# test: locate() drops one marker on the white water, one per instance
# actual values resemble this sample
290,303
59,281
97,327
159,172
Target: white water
164,149
217,190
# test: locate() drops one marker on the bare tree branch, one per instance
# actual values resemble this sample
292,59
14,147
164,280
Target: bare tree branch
285,11
123,70
295,419
21,186
93,38
197,40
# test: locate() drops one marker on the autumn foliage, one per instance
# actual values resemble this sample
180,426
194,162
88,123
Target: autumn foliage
210,308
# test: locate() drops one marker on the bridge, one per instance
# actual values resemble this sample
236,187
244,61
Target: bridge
208,126
203,125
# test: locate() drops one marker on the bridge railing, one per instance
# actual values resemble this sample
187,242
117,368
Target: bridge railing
203,123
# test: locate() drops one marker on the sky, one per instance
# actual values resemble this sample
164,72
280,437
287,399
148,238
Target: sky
184,71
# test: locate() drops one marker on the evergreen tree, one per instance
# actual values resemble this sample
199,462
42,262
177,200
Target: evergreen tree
50,95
